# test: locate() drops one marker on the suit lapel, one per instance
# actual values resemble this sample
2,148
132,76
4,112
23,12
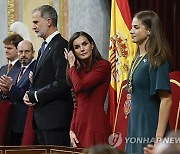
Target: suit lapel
15,75
26,73
42,58
46,52
14,69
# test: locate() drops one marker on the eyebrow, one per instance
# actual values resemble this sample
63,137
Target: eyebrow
24,50
81,43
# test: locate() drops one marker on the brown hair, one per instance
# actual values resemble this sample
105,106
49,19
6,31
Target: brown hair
157,46
13,39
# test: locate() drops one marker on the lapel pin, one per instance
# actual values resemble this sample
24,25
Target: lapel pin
144,60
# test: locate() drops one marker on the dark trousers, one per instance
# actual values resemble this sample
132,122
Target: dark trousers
58,136
15,138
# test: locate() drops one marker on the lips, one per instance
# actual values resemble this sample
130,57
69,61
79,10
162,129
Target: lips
24,59
133,37
83,54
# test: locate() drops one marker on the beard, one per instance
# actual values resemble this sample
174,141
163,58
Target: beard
42,33
24,61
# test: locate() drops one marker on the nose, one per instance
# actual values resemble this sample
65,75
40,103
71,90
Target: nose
131,31
82,47
23,54
33,26
6,50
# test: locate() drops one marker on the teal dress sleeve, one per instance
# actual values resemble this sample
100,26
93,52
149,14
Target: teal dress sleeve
159,78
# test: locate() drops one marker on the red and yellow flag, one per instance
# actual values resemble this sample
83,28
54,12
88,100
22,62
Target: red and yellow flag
121,54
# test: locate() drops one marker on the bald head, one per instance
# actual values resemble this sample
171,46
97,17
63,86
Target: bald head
25,43
25,52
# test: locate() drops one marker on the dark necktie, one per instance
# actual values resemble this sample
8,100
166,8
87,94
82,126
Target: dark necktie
43,47
20,73
41,51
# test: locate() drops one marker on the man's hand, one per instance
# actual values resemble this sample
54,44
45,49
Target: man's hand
6,83
27,101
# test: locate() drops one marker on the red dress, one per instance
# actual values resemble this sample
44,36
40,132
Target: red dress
90,122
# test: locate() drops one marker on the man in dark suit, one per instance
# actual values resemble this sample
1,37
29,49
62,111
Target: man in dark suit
10,46
14,88
50,94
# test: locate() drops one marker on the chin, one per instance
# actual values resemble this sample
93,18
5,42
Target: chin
134,41
24,64
84,58
39,35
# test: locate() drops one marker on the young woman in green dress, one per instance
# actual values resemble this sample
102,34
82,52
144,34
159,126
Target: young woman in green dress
148,83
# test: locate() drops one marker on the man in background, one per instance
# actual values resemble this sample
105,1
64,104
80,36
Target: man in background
15,86
10,46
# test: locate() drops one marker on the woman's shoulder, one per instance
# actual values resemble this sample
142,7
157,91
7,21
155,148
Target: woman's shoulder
104,62
103,65
164,66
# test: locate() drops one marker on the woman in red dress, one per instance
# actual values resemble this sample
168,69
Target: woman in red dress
89,74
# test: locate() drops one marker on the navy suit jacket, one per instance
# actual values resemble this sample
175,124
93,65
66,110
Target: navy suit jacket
55,106
16,95
3,71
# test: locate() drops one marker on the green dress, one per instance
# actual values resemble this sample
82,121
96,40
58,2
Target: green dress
145,104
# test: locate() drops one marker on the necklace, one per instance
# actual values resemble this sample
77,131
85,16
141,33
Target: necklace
133,68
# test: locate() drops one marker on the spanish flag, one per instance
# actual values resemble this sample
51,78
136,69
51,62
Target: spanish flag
121,54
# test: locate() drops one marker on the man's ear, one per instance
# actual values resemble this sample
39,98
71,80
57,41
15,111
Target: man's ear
49,21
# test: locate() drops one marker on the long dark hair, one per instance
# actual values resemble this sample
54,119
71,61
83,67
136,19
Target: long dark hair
96,56
157,46
95,53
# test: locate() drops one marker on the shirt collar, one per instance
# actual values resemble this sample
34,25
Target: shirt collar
49,38
13,62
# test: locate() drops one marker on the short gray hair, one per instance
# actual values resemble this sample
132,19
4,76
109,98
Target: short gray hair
47,11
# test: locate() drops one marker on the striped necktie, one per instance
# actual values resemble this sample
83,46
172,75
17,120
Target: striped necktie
20,73
9,67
